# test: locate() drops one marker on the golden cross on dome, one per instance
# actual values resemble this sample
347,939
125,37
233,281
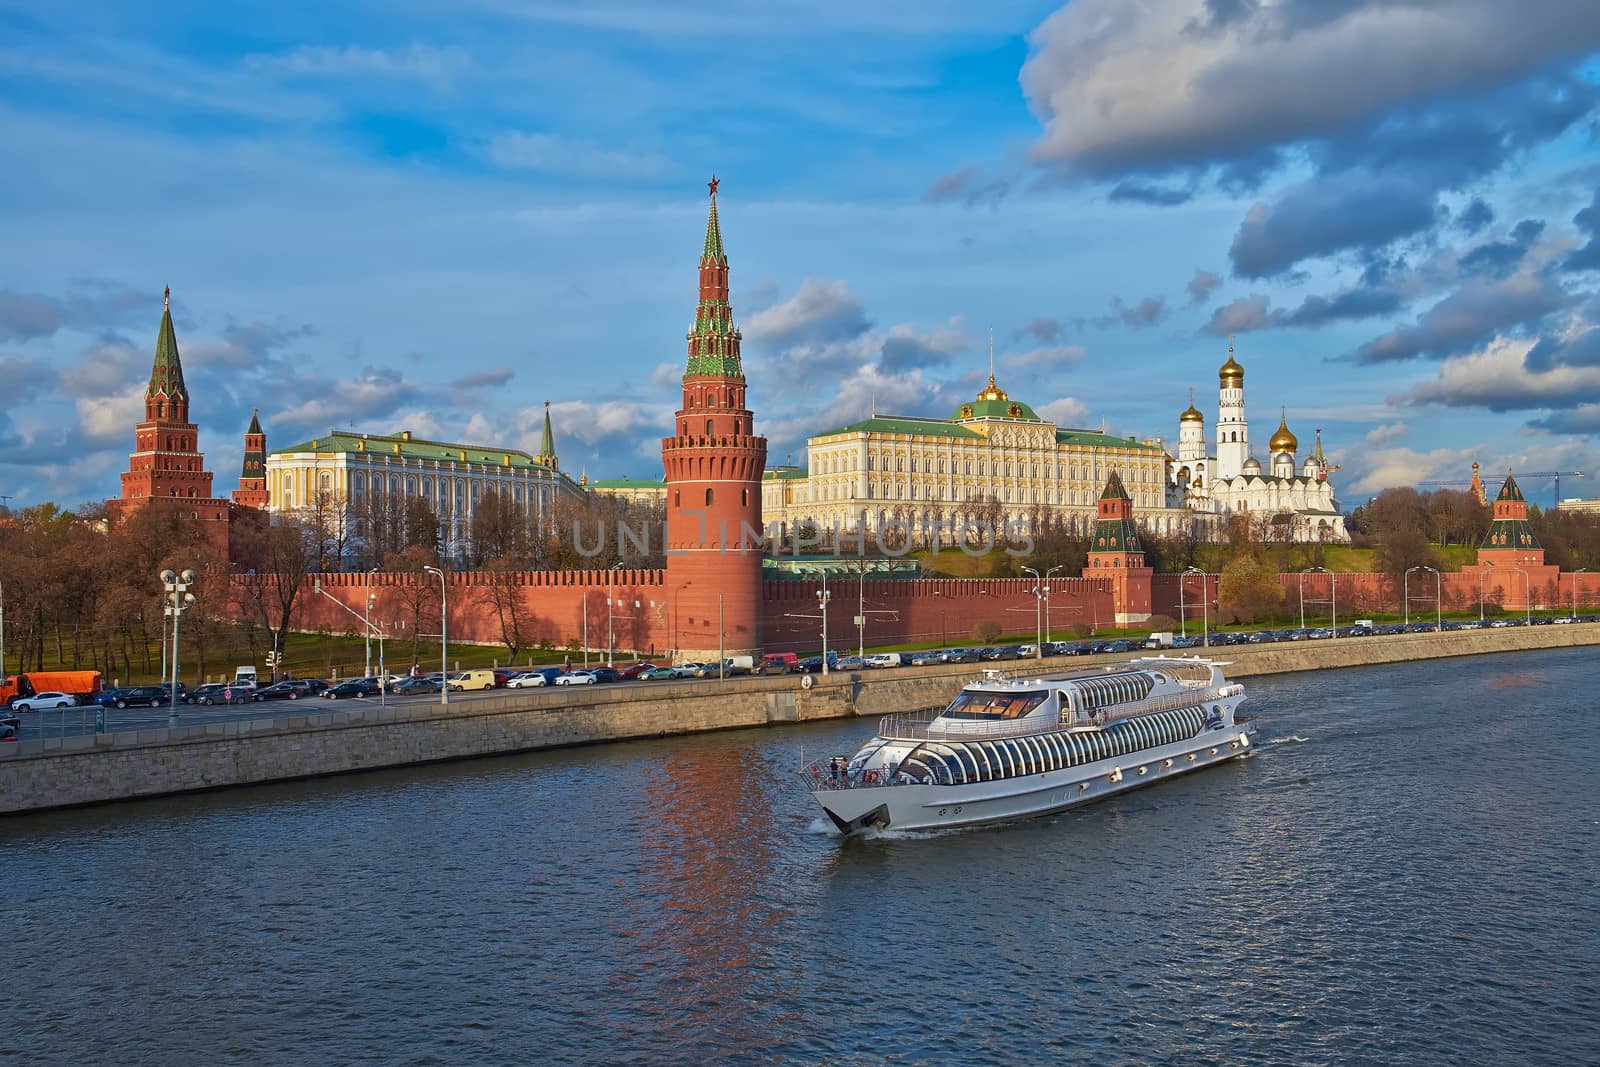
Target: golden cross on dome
712,185
166,297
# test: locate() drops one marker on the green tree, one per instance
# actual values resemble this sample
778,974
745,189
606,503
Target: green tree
1248,590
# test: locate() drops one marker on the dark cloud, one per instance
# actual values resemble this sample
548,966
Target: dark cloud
1202,285
25,378
88,304
1045,330
908,352
1241,316
1499,258
484,379
1469,317
1331,213
1588,222
1146,312
1581,349
1584,420
1475,217
1359,302
970,185
1147,193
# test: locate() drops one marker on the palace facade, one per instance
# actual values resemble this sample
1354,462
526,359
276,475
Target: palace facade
347,474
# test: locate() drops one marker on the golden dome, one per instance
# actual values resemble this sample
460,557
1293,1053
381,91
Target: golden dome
1192,415
1283,440
993,391
1231,373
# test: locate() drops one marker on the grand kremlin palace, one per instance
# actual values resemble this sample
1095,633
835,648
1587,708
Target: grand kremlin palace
915,472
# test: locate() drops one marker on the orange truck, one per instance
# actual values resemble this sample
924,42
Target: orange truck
84,686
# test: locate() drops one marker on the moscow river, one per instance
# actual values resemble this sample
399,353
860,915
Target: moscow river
1406,872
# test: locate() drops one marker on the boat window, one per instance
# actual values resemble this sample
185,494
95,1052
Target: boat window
976,704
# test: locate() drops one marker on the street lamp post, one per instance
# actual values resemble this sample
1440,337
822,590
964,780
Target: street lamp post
1335,596
1205,595
179,600
1483,573
1580,570
611,583
1038,612
1527,596
367,618
1048,631
821,602
1438,601
444,636
1405,595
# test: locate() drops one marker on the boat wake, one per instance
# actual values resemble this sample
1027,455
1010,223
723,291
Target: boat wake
1292,739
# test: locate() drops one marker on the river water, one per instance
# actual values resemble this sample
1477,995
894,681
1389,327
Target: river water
1406,872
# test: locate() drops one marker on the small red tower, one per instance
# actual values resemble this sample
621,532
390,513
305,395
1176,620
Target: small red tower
713,468
252,491
1116,553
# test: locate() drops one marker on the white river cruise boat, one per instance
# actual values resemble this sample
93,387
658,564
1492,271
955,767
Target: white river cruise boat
1013,748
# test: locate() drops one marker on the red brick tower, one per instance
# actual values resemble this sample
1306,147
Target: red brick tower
166,464
713,473
252,491
1511,566
1116,553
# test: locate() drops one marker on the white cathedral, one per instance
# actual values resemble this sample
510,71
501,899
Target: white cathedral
1291,502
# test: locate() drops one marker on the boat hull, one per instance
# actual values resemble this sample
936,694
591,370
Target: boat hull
935,807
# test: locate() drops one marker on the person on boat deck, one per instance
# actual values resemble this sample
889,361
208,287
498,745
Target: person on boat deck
833,768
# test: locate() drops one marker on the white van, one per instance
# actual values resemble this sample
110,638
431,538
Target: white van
886,659
1159,639
479,679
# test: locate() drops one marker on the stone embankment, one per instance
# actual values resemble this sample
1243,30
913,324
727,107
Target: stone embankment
62,772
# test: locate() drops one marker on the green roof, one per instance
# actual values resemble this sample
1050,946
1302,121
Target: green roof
166,373
399,444
787,472
629,483
255,422
905,425
1095,439
995,409
1511,490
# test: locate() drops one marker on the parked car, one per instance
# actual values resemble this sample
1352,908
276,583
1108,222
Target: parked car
691,670
850,663
634,670
413,686
926,659
780,663
886,659
42,701
219,693
289,689
534,679
145,696
605,674
579,677
355,687
658,674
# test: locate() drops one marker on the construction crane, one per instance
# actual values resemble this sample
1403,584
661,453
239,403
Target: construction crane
1523,476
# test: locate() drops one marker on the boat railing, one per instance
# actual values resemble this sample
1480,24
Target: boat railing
927,727
824,774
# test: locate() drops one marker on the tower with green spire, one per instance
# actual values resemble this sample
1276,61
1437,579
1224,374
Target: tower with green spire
252,491
1116,554
166,462
547,443
714,462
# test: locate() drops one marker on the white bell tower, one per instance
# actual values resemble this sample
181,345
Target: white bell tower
1233,433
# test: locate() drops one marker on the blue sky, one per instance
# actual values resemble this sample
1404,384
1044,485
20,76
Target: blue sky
439,216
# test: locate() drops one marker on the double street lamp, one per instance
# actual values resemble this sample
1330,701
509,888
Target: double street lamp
823,596
1334,595
444,640
1041,609
1438,590
179,600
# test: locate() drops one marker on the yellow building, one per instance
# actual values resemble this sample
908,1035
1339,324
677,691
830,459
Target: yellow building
993,456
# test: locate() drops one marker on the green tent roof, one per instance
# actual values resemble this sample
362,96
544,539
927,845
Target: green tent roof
905,425
414,448
995,409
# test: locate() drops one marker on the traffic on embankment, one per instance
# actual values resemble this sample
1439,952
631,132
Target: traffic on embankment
249,749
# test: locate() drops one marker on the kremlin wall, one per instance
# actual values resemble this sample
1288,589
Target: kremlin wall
711,598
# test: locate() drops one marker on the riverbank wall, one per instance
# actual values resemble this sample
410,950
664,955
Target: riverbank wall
100,768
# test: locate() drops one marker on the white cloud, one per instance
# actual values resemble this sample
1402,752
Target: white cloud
554,154
820,311
321,61
110,418
1125,86
1384,468
1387,434
1497,378
1068,411
1050,356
